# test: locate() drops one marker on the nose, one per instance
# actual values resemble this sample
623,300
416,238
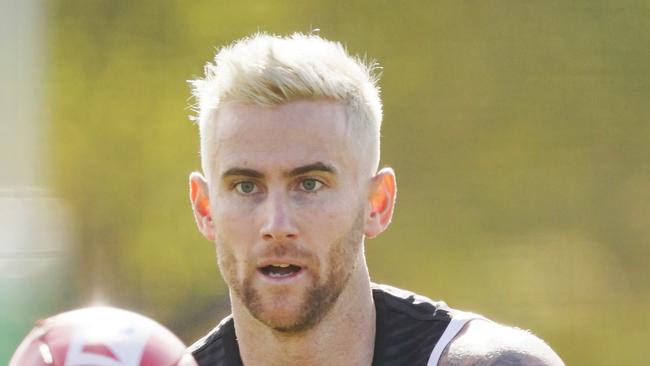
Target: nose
279,224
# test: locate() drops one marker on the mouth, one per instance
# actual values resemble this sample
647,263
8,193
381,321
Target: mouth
280,270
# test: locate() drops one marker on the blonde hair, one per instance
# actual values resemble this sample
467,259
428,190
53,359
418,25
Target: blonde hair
271,70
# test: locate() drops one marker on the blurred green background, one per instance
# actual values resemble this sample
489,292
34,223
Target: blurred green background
519,132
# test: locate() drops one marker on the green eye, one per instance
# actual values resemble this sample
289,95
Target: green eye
310,184
245,187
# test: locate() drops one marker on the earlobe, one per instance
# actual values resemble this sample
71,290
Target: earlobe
199,197
382,198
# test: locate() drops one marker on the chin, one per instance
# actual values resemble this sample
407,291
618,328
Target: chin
285,317
291,325
291,314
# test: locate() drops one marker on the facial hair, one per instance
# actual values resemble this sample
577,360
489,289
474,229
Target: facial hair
319,299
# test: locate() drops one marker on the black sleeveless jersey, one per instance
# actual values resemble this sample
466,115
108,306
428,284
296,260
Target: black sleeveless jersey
411,331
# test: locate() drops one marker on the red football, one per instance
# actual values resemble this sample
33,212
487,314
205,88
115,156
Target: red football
100,336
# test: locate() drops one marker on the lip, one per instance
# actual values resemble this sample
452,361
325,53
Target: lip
271,261
284,279
281,280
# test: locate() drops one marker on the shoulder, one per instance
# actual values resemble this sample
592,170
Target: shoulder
408,303
214,344
485,343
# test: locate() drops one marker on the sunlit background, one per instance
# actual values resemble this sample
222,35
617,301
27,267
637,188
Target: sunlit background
519,132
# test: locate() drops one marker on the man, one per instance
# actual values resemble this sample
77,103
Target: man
289,133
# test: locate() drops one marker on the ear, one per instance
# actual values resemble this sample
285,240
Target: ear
383,193
201,205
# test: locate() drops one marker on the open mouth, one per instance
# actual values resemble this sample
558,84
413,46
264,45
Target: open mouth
280,270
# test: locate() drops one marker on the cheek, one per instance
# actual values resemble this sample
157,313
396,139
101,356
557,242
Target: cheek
341,212
329,222
235,222
227,262
235,236
234,264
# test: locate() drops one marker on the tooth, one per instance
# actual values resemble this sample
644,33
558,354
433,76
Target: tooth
281,265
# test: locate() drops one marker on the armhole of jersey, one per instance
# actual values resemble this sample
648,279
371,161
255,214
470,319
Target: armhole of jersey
458,321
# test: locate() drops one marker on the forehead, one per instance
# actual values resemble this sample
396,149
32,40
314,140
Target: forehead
282,137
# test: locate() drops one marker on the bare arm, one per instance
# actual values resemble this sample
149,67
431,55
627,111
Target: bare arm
483,343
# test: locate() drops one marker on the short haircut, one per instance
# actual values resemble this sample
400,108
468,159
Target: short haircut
271,70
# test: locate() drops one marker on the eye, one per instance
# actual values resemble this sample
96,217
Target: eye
246,187
310,185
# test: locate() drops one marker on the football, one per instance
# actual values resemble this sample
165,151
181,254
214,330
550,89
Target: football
100,336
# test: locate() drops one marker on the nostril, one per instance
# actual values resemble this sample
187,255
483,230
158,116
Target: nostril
278,218
279,236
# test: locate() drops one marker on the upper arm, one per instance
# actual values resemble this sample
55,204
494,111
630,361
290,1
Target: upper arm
484,343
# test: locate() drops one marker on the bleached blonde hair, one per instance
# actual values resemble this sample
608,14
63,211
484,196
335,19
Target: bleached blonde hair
271,70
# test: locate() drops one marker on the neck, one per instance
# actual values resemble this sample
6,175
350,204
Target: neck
345,336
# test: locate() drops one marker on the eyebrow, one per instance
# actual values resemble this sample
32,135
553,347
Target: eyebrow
245,172
315,167
242,172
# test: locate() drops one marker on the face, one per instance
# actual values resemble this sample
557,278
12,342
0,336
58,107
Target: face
288,208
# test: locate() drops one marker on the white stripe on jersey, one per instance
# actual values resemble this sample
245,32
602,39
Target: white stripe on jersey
458,321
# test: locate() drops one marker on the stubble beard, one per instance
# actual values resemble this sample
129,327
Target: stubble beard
319,299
